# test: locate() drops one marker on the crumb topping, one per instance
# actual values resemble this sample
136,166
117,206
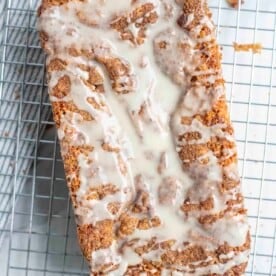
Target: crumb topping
255,48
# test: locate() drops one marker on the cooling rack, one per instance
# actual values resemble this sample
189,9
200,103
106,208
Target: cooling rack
37,230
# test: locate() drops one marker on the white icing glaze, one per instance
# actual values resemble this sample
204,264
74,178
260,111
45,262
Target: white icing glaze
107,256
141,139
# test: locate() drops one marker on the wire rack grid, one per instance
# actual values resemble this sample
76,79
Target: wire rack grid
36,221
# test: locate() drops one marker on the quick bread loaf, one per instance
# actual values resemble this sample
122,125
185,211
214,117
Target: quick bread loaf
138,99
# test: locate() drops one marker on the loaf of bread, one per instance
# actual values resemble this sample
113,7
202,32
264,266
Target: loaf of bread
150,158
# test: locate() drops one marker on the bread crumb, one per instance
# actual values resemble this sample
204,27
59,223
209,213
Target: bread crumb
254,47
16,94
6,134
12,164
235,3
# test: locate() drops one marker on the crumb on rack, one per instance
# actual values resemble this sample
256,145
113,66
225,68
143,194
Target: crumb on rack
6,134
254,47
235,3
12,164
16,94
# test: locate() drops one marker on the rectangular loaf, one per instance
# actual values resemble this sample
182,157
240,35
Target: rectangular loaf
150,158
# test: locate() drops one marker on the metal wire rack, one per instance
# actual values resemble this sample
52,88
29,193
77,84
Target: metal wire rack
36,222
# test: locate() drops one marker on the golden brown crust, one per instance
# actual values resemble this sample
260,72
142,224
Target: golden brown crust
189,255
217,115
116,68
193,7
62,88
61,108
229,183
141,17
206,205
71,166
101,191
46,4
95,237
56,64
236,270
